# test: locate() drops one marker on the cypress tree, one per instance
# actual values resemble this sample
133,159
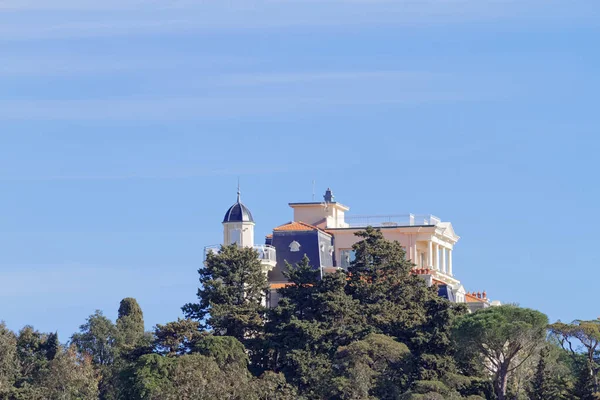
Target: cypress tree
130,321
52,346
584,387
541,386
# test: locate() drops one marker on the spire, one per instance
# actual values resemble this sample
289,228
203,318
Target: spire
238,212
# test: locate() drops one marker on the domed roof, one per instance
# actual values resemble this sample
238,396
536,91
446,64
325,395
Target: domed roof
238,213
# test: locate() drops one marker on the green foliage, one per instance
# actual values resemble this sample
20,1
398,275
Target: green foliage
198,377
272,386
313,318
9,366
401,305
545,385
130,323
501,339
178,337
31,351
52,346
227,351
96,338
587,335
232,287
375,367
376,332
585,386
70,376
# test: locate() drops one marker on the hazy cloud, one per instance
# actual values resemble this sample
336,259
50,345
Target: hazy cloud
202,107
167,175
91,18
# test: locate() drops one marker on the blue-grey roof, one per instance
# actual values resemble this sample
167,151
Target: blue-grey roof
238,213
446,292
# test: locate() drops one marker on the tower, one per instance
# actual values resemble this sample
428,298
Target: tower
238,225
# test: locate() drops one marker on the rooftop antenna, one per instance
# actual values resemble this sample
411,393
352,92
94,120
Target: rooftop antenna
313,194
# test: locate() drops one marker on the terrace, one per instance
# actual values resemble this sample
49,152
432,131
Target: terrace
382,221
265,253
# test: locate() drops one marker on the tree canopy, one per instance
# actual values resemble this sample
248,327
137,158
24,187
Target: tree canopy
376,331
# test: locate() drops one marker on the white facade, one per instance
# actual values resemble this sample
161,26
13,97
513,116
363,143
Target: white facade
241,233
428,242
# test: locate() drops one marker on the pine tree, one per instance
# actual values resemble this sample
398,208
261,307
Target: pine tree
542,385
313,318
232,290
52,346
584,387
400,304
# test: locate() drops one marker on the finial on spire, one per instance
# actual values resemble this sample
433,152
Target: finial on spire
238,192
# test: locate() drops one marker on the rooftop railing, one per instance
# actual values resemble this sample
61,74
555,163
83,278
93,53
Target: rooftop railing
380,221
265,252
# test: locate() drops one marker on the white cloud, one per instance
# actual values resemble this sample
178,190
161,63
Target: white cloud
92,18
72,280
251,79
262,94
167,175
54,64
193,108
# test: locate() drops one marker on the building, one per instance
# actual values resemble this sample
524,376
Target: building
324,232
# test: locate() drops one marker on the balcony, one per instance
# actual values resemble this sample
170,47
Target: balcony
382,221
265,253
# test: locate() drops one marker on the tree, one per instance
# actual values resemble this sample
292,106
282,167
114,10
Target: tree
96,338
313,318
375,367
70,377
177,337
587,334
272,386
31,351
130,322
52,346
8,359
501,338
585,385
542,385
400,304
232,290
227,351
188,377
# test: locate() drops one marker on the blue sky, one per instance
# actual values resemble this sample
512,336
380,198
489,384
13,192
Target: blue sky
124,126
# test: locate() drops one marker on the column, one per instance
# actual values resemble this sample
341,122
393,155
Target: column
436,266
430,255
450,262
415,254
444,260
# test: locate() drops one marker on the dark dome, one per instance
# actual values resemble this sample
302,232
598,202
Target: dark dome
238,213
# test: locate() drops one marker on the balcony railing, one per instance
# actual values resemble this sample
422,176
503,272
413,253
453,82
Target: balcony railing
380,221
265,252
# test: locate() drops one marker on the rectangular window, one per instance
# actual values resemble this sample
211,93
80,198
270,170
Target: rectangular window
346,257
235,236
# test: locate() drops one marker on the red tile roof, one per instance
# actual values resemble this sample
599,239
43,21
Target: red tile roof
473,298
296,226
279,285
